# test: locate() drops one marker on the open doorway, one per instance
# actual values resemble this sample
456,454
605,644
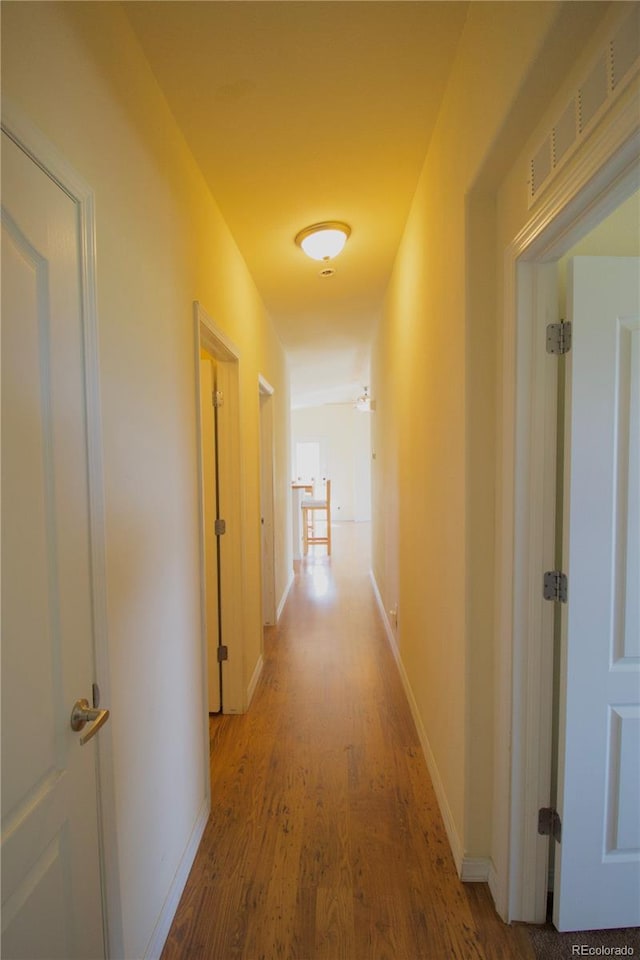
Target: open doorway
580,204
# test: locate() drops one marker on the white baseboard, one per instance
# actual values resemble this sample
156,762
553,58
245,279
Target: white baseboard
283,599
475,869
253,683
494,887
443,803
163,925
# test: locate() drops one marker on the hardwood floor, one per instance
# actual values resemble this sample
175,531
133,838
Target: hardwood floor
325,841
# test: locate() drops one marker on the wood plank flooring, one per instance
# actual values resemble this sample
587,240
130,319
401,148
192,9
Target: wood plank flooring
325,841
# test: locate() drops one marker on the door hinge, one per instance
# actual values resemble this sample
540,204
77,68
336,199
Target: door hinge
217,398
549,823
555,586
223,653
559,337
220,527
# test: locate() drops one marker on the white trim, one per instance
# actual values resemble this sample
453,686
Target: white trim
436,779
43,153
264,386
574,206
603,173
168,912
285,594
31,140
606,54
222,346
475,869
253,683
492,880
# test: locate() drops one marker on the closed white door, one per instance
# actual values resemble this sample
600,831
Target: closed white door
209,454
51,890
597,873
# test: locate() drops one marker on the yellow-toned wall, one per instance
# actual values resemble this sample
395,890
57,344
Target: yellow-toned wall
436,382
77,72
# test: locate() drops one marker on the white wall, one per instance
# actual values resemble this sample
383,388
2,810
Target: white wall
345,436
617,236
77,72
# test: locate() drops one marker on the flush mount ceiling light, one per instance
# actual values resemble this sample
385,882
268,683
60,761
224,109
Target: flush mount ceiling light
323,241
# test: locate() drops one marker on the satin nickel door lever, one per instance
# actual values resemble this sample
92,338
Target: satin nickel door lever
82,714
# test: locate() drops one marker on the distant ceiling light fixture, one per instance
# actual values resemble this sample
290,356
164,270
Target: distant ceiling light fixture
323,241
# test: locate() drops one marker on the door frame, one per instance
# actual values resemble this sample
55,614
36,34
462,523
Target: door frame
209,337
598,180
35,144
267,487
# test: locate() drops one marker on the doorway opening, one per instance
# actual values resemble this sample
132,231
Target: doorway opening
525,728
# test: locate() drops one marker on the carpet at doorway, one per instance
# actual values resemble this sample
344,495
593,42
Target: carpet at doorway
548,944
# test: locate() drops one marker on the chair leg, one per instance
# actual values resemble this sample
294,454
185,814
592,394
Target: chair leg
305,533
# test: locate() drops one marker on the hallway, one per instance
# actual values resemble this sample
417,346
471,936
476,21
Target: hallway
325,841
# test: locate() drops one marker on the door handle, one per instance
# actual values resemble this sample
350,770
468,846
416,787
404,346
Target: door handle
82,714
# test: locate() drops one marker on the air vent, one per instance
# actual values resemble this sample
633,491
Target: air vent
541,165
625,48
616,64
565,133
592,94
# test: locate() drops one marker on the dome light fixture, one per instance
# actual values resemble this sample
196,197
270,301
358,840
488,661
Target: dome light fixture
323,241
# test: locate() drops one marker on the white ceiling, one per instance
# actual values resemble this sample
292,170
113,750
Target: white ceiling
299,112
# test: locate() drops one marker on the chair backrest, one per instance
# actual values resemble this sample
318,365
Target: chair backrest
322,489
320,498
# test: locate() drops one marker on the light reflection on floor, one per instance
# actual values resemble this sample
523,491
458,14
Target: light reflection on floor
316,570
350,554
319,582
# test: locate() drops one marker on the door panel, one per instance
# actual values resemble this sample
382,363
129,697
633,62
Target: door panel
51,895
210,498
597,874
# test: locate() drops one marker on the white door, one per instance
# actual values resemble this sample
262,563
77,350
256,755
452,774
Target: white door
208,443
597,873
51,891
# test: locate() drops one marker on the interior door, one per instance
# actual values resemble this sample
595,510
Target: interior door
210,501
266,508
51,890
597,871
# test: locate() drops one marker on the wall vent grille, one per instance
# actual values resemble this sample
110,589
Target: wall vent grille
614,68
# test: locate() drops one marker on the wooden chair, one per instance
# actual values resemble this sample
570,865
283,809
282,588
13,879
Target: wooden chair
316,510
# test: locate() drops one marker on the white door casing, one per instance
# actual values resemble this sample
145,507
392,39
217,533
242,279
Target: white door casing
597,872
51,867
596,181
